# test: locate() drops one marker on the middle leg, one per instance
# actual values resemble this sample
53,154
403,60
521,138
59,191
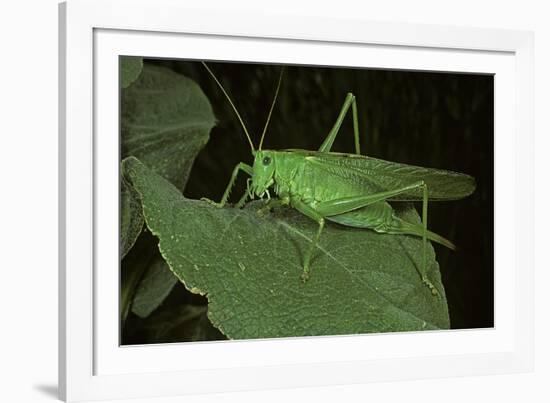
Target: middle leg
314,215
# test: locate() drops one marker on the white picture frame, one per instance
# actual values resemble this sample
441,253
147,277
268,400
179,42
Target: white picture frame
93,366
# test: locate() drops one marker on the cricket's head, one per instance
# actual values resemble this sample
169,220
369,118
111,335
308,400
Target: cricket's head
262,172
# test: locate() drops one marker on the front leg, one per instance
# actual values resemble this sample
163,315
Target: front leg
240,167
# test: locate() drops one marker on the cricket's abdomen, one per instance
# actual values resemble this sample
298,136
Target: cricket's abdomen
372,217
377,216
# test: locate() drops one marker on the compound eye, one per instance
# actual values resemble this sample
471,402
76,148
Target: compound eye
266,160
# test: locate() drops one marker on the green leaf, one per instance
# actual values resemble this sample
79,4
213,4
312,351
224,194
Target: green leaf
249,268
130,69
154,287
131,218
166,120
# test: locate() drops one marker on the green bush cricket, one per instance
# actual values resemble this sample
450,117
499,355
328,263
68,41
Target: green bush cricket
349,189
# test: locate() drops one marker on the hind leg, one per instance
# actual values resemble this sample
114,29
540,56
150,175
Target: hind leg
344,205
349,101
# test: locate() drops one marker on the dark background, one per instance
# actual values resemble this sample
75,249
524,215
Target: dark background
438,120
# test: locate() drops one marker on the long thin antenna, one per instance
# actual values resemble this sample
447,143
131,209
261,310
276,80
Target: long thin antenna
272,106
232,105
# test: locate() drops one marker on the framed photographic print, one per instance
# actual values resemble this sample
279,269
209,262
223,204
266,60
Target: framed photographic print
245,208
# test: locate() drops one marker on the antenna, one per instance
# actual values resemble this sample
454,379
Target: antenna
232,105
272,106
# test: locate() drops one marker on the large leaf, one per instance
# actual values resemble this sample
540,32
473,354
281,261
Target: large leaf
249,265
166,119
130,69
